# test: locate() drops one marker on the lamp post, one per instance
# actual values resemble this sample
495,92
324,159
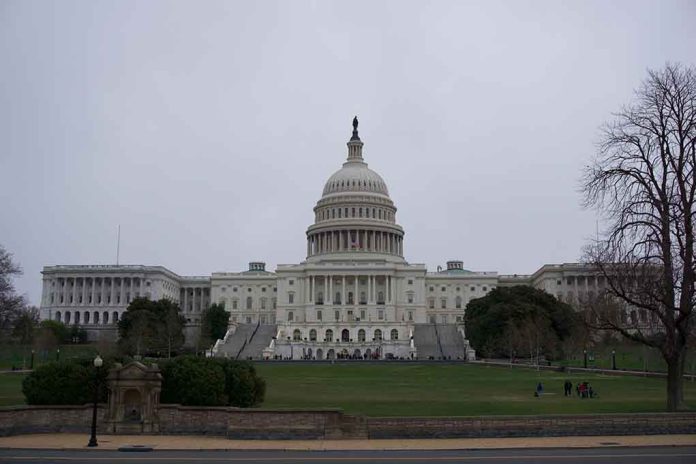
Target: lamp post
31,364
58,354
584,358
93,439
613,360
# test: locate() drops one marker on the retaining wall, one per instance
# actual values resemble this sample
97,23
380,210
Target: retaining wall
237,423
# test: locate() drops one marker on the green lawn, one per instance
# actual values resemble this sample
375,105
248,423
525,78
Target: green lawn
387,389
20,355
11,389
441,390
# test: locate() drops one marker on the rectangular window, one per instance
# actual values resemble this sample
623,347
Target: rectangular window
410,282
443,303
337,315
234,304
291,282
362,314
431,303
291,298
380,314
410,297
410,316
319,315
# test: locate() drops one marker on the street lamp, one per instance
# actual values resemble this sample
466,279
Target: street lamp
584,356
97,364
613,360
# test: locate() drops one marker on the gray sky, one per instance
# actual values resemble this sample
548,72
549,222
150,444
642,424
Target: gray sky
207,129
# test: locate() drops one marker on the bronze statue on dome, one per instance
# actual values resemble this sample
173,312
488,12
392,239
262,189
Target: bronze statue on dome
355,123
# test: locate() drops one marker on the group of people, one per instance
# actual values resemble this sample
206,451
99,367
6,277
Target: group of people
582,390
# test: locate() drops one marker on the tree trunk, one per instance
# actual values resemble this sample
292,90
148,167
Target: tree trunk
675,382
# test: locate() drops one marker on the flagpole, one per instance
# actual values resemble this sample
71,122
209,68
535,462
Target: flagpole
118,244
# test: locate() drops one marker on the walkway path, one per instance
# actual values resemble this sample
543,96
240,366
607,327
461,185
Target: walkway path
170,442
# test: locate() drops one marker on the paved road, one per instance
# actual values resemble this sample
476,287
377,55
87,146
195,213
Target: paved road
665,455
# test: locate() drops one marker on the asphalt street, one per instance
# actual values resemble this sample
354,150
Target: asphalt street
662,455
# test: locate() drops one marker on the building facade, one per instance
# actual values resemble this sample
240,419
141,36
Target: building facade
354,295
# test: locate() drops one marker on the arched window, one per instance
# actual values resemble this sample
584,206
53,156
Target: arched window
297,335
458,302
67,317
77,317
378,335
58,316
394,335
350,298
235,303
86,317
248,302
313,335
291,316
114,317
380,297
361,335
345,335
329,335
96,317
105,318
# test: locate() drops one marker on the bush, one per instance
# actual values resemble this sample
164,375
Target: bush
193,381
196,381
243,386
59,383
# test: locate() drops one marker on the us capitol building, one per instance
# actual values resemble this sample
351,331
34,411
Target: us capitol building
354,296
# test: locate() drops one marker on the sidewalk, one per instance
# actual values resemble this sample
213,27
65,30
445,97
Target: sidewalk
174,442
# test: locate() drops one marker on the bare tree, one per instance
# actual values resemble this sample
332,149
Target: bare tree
11,304
643,181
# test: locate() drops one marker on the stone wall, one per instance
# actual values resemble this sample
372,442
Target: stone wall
530,426
237,423
15,420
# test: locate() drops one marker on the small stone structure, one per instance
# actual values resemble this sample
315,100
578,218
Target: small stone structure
134,391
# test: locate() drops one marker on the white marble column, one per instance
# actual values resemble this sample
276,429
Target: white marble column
343,291
357,288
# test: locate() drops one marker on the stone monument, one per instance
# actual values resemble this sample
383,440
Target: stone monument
134,391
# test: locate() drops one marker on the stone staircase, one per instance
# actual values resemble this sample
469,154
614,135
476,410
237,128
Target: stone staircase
259,340
439,341
451,341
235,342
425,339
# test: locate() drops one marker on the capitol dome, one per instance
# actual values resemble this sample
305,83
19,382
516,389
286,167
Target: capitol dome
355,216
355,176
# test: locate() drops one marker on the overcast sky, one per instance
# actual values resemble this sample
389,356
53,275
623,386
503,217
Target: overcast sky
207,129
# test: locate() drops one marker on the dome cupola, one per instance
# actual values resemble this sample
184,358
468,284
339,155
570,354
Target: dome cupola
355,213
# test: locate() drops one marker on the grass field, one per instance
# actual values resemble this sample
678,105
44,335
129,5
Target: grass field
440,389
11,389
20,356
387,389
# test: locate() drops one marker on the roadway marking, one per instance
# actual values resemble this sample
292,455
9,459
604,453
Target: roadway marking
346,458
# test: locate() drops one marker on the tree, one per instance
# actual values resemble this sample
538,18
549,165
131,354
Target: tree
214,323
151,327
25,324
519,319
11,304
171,335
643,183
